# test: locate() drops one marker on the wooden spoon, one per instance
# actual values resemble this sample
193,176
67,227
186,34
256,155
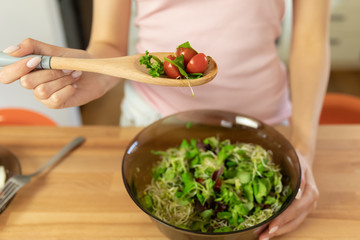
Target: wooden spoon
127,67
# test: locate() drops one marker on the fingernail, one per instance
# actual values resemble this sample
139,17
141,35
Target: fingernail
273,229
76,74
75,85
67,72
33,62
299,193
11,49
265,238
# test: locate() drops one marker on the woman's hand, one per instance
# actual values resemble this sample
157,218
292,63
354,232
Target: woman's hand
305,203
54,88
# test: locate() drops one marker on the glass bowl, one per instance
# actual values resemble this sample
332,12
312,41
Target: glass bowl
170,131
11,165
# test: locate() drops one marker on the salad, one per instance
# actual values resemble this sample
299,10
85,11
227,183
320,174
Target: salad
186,62
214,185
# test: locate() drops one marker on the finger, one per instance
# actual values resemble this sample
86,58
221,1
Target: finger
34,79
11,49
304,206
45,90
289,227
14,71
31,46
301,187
297,207
59,99
303,177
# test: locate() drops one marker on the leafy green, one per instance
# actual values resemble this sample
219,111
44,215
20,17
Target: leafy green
156,69
147,202
186,45
189,183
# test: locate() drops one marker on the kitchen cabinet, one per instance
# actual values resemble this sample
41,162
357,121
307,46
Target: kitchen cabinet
344,34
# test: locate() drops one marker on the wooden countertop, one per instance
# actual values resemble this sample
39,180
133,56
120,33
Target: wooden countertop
84,196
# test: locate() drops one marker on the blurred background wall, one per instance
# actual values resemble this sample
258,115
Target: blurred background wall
68,23
42,20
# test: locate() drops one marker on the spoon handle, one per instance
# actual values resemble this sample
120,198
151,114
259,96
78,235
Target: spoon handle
118,67
6,59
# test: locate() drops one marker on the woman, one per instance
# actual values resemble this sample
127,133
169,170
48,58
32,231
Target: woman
239,35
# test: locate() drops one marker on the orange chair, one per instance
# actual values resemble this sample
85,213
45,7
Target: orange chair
19,116
340,109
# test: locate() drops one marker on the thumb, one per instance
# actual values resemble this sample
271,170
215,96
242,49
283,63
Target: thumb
32,46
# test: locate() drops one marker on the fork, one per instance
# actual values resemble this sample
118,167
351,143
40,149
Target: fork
15,183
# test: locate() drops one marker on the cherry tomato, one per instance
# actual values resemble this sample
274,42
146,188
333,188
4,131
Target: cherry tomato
197,64
171,70
188,53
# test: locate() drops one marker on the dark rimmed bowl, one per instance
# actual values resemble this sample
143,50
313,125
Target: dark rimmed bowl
11,165
170,131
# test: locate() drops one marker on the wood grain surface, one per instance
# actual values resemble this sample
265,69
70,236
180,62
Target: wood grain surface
83,197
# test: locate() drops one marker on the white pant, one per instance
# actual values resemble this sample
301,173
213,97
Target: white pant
135,111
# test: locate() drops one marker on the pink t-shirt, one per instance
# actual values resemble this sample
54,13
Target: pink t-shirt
239,34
